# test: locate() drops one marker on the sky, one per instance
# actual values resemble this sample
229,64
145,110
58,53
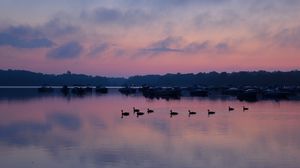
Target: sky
137,37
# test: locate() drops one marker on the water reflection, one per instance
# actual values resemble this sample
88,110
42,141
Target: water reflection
89,132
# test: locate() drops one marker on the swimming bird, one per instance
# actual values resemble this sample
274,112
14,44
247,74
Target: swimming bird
245,108
210,112
135,110
230,108
150,111
173,113
124,113
139,113
192,113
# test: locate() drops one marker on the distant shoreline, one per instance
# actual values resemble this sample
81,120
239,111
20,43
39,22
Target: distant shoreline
9,78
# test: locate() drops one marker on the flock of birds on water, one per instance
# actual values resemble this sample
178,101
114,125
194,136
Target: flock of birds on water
138,112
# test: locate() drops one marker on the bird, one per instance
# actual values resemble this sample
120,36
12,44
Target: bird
173,113
245,108
139,113
230,108
192,113
150,111
135,110
210,112
124,113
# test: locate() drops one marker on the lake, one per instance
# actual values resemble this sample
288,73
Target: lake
61,132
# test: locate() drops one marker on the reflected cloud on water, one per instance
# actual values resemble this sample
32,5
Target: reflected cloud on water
41,134
89,132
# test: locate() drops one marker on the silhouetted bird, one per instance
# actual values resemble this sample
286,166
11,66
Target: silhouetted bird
192,113
150,111
135,110
139,113
173,113
210,112
230,108
124,113
245,108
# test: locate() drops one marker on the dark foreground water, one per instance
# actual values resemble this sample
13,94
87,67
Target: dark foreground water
54,131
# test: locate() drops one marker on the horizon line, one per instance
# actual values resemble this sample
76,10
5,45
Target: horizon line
126,77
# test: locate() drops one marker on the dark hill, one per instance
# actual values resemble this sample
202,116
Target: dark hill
257,78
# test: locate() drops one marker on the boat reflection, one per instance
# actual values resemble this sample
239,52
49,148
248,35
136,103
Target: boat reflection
89,132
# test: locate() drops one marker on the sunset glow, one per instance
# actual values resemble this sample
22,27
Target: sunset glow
124,38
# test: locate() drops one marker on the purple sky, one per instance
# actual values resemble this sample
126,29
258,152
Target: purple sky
129,37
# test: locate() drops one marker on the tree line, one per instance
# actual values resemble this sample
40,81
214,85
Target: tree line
242,78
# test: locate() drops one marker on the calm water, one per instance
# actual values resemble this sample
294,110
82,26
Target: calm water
54,131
